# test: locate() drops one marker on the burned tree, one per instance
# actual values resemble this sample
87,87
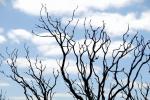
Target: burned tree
116,79
34,82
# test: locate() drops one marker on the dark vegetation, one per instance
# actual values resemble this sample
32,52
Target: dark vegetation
87,84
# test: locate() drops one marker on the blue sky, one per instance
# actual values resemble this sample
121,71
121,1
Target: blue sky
18,19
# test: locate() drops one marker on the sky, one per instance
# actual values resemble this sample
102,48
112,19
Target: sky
18,19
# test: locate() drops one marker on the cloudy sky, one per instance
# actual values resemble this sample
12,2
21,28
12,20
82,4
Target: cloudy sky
18,19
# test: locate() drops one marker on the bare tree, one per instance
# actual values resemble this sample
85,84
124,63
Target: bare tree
116,79
2,96
38,86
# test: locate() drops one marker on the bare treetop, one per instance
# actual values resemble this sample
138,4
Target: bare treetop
120,67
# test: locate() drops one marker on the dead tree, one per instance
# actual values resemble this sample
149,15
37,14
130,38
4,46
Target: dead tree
38,87
116,80
2,96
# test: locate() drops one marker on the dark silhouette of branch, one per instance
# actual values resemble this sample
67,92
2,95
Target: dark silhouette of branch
2,96
89,84
38,87
117,78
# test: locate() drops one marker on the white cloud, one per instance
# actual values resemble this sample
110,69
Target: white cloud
71,68
21,62
67,6
49,50
46,45
4,84
2,39
43,40
62,95
114,45
18,98
18,35
141,23
54,50
116,24
51,64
